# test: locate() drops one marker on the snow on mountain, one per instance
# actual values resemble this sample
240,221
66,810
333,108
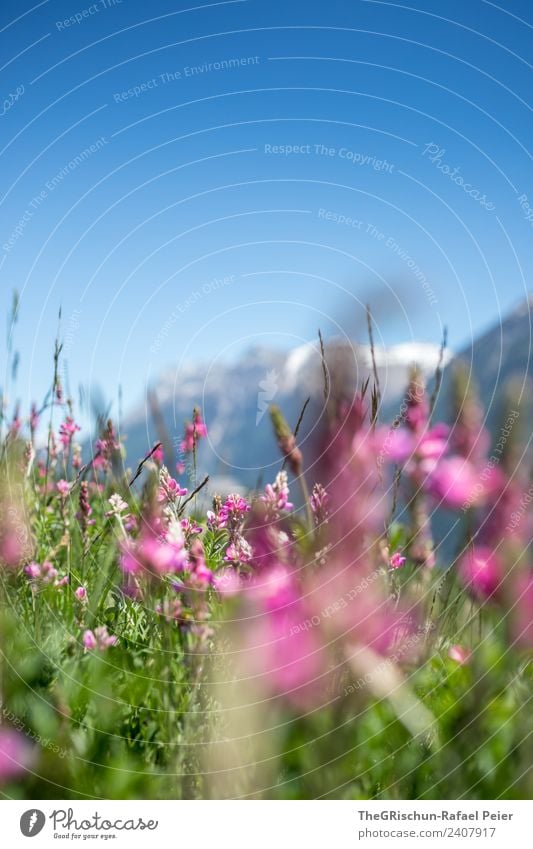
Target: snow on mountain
234,397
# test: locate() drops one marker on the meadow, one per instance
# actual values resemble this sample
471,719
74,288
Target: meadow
315,638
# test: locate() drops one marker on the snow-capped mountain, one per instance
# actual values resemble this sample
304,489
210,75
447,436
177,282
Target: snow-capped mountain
235,396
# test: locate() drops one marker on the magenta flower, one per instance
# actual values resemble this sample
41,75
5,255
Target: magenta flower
44,575
153,554
319,502
455,481
397,560
98,639
81,594
276,496
169,490
63,487
194,431
89,640
480,570
67,430
238,551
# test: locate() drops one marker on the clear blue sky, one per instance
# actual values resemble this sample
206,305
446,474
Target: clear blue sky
307,156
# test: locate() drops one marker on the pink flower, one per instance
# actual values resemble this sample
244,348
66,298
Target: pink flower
98,639
169,489
158,454
402,445
63,487
233,511
276,496
89,640
81,594
319,503
16,754
44,575
460,654
397,560
238,551
67,430
481,570
194,431
455,481
153,554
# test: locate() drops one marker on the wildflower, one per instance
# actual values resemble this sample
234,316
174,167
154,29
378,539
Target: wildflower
98,639
171,610
105,447
233,511
153,554
85,510
44,575
157,454
455,481
118,505
238,551
194,431
81,594
16,754
66,432
459,654
481,570
397,560
319,504
169,489
200,573
63,487
190,528
276,495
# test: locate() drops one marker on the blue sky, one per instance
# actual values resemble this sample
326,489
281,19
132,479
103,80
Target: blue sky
188,180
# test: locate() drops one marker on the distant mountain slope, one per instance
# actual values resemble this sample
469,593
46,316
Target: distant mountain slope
234,398
499,358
